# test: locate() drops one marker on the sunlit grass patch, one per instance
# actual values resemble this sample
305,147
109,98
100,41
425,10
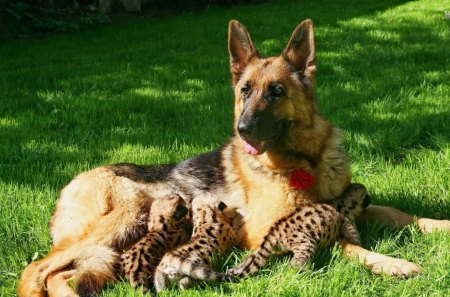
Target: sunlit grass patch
153,91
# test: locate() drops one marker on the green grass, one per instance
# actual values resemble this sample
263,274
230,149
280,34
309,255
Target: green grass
153,90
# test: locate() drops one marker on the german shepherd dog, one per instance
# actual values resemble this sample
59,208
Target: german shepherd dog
283,152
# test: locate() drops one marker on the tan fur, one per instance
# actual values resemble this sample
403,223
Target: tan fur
57,284
99,208
395,219
30,284
378,263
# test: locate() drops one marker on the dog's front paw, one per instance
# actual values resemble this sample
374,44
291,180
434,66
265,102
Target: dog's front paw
430,225
395,267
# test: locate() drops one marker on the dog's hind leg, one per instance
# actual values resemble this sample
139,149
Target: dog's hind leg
97,215
58,284
33,286
395,219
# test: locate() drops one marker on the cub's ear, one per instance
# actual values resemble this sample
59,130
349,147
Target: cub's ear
300,50
221,206
241,49
367,200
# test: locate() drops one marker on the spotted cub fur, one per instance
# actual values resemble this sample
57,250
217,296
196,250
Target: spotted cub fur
212,233
168,227
310,226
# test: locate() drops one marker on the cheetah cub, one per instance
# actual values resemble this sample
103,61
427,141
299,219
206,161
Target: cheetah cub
212,233
168,227
310,226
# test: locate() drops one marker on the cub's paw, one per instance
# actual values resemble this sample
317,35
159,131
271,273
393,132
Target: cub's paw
186,283
430,225
233,272
172,275
299,262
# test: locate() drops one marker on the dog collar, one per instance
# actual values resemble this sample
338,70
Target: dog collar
301,179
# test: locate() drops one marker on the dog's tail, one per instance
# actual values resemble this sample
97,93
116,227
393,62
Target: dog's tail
95,266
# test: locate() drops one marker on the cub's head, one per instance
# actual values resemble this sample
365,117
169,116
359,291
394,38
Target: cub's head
354,201
208,210
169,213
274,95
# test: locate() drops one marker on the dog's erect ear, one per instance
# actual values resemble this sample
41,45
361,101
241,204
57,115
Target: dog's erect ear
300,50
241,49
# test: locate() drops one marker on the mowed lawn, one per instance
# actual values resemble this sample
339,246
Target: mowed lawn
157,90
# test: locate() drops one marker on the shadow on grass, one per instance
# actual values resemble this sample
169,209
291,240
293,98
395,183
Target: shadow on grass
76,101
387,75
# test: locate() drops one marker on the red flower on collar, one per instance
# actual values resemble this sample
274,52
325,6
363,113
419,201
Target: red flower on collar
301,180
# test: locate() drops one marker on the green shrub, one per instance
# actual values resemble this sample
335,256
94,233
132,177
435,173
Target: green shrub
34,18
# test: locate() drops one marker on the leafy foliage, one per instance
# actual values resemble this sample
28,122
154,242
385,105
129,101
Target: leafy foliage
32,18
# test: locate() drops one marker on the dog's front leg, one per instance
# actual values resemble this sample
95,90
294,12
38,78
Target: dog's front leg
379,263
395,219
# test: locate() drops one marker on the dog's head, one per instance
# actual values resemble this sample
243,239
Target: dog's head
272,95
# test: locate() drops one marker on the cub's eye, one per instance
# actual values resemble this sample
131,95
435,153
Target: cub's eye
274,91
222,206
180,212
245,90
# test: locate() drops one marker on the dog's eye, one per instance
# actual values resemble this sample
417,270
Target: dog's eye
274,91
245,90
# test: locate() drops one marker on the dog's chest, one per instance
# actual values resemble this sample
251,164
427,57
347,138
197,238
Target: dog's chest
268,199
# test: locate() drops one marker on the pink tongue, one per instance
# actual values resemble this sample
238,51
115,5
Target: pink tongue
249,149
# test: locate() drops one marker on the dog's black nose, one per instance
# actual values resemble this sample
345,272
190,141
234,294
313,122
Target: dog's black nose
244,129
